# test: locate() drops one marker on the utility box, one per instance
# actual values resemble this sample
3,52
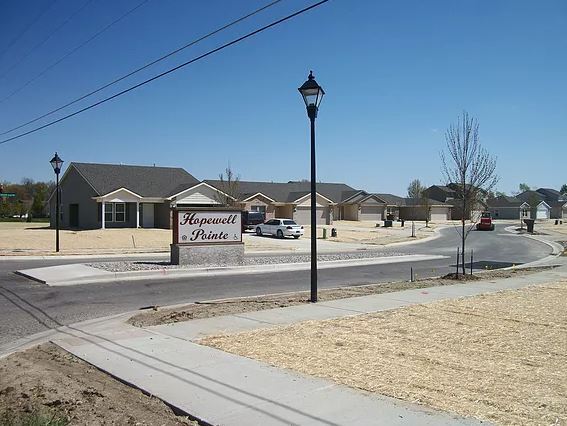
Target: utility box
387,224
530,224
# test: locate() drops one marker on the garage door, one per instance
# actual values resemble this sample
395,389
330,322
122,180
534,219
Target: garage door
542,213
373,213
303,215
439,214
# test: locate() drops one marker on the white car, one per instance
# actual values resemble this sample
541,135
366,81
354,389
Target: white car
280,228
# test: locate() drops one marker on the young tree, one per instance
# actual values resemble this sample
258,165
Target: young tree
470,168
563,189
523,187
426,204
230,187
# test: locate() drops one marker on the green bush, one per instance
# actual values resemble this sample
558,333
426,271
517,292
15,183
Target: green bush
35,418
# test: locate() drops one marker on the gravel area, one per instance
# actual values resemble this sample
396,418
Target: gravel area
127,266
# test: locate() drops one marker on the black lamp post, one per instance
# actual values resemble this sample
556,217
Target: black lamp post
312,95
56,163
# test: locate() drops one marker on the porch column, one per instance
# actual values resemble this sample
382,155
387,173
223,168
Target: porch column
137,214
102,227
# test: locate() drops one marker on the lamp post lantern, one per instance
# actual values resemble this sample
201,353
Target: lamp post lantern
312,95
56,163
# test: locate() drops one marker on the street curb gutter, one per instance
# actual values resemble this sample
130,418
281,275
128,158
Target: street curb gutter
218,271
556,249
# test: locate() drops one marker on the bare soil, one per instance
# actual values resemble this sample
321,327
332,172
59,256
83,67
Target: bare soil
49,381
498,357
22,238
157,316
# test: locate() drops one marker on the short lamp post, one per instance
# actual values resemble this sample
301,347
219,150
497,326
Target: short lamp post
312,95
56,163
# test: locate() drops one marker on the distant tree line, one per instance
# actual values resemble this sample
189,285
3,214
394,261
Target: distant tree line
30,198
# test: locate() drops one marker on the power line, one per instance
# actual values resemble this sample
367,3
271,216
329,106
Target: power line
41,43
27,83
31,24
143,83
224,27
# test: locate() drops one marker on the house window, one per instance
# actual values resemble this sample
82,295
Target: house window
108,212
119,212
261,209
114,212
525,213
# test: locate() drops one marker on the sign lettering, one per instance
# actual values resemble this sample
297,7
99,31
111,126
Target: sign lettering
207,227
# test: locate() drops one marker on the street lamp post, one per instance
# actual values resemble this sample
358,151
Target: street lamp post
56,163
312,95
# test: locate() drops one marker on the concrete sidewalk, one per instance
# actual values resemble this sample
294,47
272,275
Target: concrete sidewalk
73,274
221,388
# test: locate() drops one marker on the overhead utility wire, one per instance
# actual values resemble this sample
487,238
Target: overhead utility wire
224,27
32,23
46,39
210,52
27,83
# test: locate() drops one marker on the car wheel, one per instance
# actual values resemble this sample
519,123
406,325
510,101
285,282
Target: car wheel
492,228
258,231
280,233
296,236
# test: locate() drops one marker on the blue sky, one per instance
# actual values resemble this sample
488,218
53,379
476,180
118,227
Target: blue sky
396,74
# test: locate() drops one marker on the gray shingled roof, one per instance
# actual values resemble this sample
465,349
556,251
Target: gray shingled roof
530,196
549,193
290,191
146,181
504,201
391,199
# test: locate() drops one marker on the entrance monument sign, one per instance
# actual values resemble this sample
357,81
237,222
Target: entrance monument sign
211,237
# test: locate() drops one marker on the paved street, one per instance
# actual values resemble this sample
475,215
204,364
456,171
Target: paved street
27,307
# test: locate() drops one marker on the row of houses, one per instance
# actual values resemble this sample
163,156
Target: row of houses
122,196
542,203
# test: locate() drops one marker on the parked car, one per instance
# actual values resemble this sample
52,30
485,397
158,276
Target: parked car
251,219
485,223
280,228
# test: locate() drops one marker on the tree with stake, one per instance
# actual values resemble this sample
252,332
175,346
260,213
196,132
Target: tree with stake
470,168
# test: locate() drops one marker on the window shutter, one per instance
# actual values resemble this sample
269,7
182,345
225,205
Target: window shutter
99,212
127,208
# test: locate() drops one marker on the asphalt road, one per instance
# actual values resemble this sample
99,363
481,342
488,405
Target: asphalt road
27,307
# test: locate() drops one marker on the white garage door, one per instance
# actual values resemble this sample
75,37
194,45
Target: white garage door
439,214
370,213
303,215
542,212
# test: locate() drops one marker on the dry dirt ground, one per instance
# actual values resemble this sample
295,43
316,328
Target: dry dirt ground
498,357
54,383
366,232
549,225
157,315
21,238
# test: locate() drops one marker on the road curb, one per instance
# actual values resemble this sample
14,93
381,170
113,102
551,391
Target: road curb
219,271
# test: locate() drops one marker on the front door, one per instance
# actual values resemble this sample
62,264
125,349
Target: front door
74,215
148,215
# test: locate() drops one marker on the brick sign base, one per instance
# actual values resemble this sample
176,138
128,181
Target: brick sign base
211,255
